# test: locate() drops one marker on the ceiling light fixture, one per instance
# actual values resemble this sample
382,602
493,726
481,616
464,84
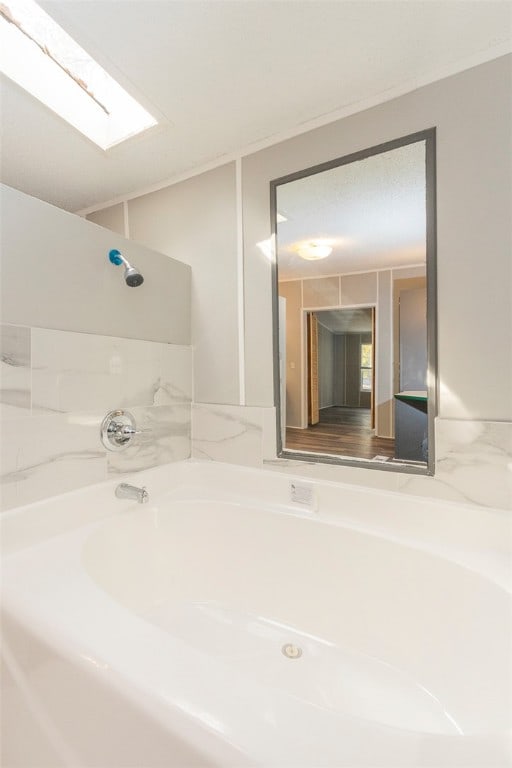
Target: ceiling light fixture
37,54
314,251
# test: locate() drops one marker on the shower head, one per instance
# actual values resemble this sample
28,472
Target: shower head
132,276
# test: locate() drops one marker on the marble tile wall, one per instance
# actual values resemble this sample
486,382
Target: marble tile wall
473,458
14,370
55,389
230,433
473,464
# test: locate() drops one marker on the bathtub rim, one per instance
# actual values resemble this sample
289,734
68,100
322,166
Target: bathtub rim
472,537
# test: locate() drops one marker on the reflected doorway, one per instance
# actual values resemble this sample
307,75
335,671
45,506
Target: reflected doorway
340,363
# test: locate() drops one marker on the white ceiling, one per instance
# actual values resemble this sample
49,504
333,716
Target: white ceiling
346,320
372,213
223,77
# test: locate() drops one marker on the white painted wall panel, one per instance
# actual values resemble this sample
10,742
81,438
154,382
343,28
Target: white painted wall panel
56,274
110,218
321,292
358,289
292,292
195,221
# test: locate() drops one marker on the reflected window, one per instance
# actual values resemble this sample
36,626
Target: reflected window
366,368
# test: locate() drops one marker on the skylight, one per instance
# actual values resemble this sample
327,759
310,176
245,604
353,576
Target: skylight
44,60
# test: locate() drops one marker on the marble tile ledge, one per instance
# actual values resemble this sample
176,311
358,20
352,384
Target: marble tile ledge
473,464
473,458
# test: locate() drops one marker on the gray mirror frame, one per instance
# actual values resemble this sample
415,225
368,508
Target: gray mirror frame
429,137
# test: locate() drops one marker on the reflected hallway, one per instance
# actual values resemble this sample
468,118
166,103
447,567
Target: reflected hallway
341,431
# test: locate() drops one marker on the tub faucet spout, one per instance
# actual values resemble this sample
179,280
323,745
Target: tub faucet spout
126,491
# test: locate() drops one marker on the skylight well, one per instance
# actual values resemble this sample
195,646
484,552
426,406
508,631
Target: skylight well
38,55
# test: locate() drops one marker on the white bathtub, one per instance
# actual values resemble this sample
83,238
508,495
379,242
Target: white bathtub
153,635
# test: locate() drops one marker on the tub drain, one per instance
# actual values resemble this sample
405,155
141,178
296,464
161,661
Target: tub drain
291,651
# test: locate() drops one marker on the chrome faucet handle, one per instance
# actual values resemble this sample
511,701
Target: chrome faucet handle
118,429
122,431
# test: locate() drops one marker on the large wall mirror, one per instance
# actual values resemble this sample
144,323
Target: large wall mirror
355,308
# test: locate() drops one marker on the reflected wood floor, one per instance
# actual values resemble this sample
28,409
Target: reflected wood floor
343,432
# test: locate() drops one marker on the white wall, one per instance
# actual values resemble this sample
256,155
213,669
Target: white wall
56,274
112,218
75,343
472,114
195,222
296,413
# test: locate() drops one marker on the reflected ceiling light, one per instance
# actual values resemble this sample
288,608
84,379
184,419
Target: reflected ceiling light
280,218
314,251
37,54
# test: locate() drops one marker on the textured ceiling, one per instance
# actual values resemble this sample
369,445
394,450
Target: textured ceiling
346,320
225,76
371,211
